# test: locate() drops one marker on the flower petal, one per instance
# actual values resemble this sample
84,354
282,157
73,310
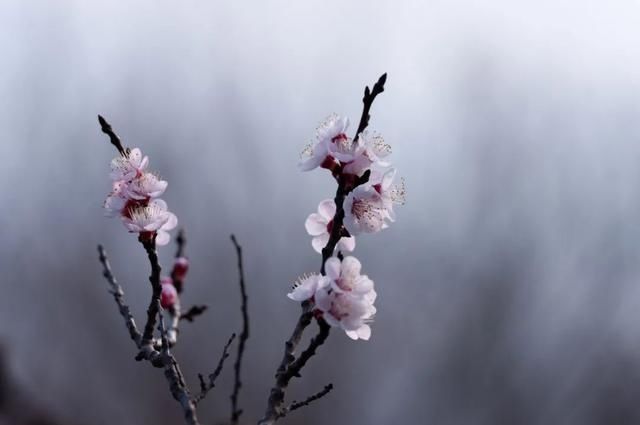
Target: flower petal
327,209
319,242
315,224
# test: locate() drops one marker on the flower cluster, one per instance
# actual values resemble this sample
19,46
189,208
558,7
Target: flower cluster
368,208
134,198
172,286
342,296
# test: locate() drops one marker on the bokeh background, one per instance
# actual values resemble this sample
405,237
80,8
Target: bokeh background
508,288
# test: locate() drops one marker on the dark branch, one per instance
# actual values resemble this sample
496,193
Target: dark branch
296,405
118,296
146,344
322,335
367,100
181,241
115,140
193,312
177,384
205,387
244,335
275,404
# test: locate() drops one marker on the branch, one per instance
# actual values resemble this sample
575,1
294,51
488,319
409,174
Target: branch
164,358
175,311
296,405
322,335
115,140
118,296
283,376
367,100
181,241
289,366
244,335
205,387
193,312
147,349
177,384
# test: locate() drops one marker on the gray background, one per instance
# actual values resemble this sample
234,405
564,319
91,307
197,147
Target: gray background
508,288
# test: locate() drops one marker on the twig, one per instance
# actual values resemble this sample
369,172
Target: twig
289,366
244,335
181,241
177,385
175,312
115,140
118,296
164,358
283,374
205,387
296,405
147,349
193,312
367,100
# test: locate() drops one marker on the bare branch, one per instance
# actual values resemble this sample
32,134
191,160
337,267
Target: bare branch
115,140
147,349
118,296
367,100
297,405
193,312
177,384
205,387
275,403
322,335
181,241
244,335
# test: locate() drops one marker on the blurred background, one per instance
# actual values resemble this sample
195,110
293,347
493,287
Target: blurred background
508,288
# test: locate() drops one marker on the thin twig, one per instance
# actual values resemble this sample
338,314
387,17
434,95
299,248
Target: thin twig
205,387
118,296
115,140
244,335
193,312
367,100
296,405
175,312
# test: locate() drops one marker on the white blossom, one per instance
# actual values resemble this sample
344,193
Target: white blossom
306,286
128,167
150,219
146,185
320,224
365,211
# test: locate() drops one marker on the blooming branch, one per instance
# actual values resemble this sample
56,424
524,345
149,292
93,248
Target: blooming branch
339,295
134,199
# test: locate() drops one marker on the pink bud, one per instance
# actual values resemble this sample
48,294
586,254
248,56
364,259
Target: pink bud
168,296
180,268
166,280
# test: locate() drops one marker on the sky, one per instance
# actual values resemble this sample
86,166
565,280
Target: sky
507,287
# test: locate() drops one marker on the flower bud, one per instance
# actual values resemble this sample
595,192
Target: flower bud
168,296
